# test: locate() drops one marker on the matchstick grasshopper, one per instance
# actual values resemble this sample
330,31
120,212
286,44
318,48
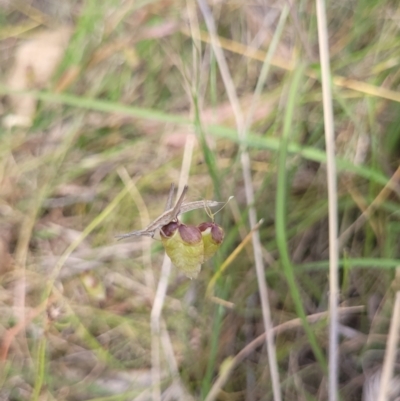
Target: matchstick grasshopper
187,246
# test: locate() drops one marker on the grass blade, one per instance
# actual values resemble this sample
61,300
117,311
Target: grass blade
332,201
281,217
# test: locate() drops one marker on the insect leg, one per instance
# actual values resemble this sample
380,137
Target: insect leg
139,233
177,208
170,197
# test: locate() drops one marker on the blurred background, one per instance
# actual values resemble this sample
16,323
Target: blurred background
104,105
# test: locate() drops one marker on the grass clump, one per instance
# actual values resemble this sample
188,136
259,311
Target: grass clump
90,147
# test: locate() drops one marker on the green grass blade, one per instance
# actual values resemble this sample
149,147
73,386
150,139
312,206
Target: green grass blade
41,363
251,141
281,234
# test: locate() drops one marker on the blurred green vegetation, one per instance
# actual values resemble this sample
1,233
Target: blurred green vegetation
133,81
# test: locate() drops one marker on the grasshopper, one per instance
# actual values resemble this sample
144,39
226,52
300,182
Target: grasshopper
171,213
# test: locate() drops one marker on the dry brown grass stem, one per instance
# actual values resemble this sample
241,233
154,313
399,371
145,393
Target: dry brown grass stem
230,259
12,332
246,170
391,352
257,342
94,223
162,286
246,51
367,212
333,379
145,220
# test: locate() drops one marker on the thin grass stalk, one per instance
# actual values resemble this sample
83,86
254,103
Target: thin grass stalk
332,201
173,363
27,226
10,334
155,328
245,162
155,317
74,244
213,348
219,131
363,218
281,212
41,365
289,65
209,157
266,66
237,360
145,220
391,352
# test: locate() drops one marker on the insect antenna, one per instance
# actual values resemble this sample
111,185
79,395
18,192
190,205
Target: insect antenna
210,214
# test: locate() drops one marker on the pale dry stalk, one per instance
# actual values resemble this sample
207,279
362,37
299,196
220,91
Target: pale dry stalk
245,162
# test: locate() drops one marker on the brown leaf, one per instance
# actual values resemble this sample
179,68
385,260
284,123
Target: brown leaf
34,65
